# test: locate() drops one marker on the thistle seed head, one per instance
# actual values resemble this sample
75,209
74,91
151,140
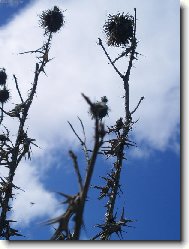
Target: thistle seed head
52,20
119,29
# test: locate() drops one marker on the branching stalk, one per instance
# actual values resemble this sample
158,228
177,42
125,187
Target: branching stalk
79,216
121,132
16,153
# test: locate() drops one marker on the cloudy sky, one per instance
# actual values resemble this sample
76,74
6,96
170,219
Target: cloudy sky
151,177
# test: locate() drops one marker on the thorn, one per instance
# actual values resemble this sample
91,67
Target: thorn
99,41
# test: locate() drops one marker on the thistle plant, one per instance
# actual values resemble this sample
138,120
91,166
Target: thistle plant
76,203
4,92
12,152
109,141
120,30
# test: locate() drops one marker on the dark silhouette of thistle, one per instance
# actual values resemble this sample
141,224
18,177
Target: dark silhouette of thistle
52,20
4,95
120,31
12,152
100,108
4,92
110,142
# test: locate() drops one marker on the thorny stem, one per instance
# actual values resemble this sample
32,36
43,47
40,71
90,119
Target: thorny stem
1,118
76,204
15,159
91,164
119,161
76,167
112,200
127,75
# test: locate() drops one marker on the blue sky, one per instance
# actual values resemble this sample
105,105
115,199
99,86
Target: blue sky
151,176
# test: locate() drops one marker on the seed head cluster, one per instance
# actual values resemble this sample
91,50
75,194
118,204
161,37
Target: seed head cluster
99,109
4,92
119,29
52,20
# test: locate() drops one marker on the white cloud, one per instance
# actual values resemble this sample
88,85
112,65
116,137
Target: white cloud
81,66
45,203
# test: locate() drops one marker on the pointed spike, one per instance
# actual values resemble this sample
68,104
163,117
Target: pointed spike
65,195
123,213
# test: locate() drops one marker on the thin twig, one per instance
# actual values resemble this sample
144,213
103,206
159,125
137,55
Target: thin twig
85,141
82,128
16,82
117,71
81,141
33,51
4,111
87,100
125,53
137,105
76,167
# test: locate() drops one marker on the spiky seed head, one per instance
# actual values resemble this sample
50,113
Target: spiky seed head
104,99
3,138
119,123
4,95
3,77
52,20
99,109
119,29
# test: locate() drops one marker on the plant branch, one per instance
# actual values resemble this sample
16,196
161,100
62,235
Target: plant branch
2,111
81,141
127,75
76,167
85,141
137,105
15,151
91,163
121,131
111,62
16,82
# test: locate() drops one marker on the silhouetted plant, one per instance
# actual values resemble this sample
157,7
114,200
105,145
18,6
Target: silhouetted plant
12,152
52,20
4,95
120,30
